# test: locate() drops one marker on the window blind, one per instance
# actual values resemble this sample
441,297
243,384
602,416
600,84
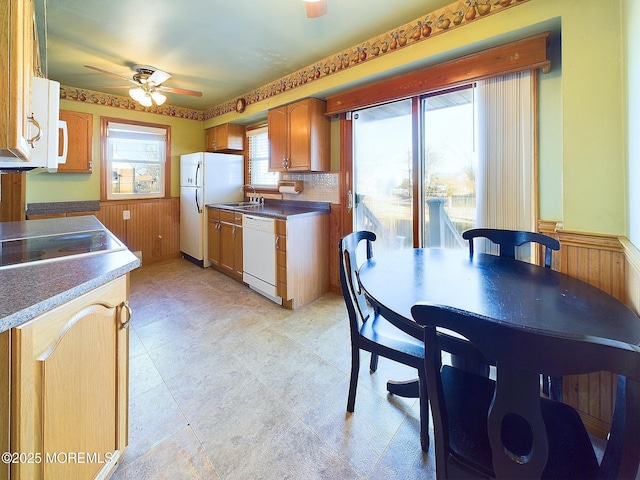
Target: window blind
259,174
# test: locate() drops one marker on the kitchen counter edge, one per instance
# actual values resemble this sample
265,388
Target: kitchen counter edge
80,276
30,290
280,209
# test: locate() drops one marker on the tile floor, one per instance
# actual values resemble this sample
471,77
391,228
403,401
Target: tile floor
225,384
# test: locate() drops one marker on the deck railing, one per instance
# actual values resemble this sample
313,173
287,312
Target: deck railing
442,232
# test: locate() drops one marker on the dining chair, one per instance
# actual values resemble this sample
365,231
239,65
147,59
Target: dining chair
507,240
505,428
373,333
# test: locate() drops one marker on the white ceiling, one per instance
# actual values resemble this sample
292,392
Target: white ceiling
223,48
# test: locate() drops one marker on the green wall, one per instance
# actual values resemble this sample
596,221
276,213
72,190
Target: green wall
186,136
631,42
582,130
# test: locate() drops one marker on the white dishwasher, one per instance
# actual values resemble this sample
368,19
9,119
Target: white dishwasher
259,255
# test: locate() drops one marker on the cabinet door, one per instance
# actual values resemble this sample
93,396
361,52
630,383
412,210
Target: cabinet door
70,386
238,260
17,130
210,139
277,127
213,239
80,149
227,248
299,137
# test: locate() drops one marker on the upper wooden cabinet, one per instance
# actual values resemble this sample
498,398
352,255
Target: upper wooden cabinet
225,137
80,149
18,130
299,137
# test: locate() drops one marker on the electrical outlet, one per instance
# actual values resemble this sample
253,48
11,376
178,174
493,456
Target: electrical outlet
126,214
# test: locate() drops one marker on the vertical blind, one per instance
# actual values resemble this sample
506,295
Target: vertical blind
505,154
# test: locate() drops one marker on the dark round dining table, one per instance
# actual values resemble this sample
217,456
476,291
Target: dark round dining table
499,288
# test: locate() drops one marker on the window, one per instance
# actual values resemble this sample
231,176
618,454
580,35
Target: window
135,160
258,171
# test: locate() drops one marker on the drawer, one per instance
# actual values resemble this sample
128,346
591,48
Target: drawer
231,217
282,290
282,274
213,213
281,227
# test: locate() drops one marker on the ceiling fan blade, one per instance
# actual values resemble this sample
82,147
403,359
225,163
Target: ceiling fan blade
158,77
181,91
316,9
107,72
115,86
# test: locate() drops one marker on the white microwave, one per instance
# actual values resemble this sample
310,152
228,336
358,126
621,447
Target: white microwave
45,104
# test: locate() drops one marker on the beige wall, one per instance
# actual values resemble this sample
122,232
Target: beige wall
186,136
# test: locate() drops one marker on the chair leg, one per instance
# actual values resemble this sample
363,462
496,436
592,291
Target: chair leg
555,388
424,412
373,366
353,383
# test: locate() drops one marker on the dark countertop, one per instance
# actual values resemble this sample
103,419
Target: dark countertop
281,209
34,288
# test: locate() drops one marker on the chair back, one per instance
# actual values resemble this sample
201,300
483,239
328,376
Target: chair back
517,402
507,240
354,298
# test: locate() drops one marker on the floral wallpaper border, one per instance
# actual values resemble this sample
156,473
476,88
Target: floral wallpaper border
454,15
118,101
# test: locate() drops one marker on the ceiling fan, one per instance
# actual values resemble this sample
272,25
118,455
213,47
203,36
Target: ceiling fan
316,8
147,82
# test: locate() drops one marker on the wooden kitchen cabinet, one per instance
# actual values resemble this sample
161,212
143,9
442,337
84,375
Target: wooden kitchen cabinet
213,237
225,241
231,243
299,137
18,45
225,137
69,386
80,143
302,258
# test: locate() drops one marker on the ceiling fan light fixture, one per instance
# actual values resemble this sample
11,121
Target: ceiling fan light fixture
137,94
146,101
158,97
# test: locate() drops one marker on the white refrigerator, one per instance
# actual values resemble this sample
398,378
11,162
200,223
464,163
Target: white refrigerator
205,178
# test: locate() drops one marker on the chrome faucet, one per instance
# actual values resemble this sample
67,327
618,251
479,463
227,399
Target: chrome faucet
254,197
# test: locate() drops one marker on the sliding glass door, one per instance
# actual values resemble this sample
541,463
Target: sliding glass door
426,169
383,173
450,165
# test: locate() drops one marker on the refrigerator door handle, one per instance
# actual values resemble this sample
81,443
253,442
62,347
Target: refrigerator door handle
197,169
197,203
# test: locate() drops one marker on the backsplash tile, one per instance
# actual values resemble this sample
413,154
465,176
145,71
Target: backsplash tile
317,187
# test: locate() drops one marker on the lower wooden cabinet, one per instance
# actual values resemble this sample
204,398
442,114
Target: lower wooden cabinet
69,387
302,258
213,237
225,241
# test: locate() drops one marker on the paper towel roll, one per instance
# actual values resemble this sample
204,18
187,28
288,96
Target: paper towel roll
288,189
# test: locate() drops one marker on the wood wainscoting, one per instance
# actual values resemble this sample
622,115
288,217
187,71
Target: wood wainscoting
611,264
153,227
